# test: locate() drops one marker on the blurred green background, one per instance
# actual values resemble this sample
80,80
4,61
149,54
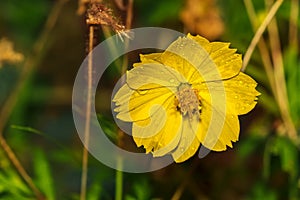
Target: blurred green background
40,130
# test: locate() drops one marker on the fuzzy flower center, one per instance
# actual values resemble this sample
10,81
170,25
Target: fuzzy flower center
188,102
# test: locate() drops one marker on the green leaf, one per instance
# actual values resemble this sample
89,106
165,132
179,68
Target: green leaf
94,191
109,128
129,197
158,12
43,174
141,190
11,184
292,70
267,158
65,154
287,152
260,191
27,129
249,145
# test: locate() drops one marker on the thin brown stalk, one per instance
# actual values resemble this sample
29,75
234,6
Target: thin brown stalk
262,46
120,4
129,16
279,77
30,63
179,191
293,28
88,117
259,33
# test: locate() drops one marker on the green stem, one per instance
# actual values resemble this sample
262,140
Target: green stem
119,180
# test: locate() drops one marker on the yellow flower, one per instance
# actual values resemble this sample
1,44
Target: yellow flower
190,94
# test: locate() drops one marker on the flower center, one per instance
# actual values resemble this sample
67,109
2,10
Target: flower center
188,102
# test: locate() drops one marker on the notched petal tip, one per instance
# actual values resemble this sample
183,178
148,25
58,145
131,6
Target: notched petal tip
220,146
148,58
201,40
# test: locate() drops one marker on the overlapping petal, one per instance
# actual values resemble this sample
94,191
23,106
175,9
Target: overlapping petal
240,98
146,86
228,62
148,100
163,141
225,127
198,60
189,143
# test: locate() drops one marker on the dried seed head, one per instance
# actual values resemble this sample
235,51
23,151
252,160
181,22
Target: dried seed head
99,14
188,101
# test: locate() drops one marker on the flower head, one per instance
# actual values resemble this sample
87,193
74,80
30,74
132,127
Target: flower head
190,94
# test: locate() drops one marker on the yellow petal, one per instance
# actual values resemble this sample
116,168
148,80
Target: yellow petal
212,60
165,140
154,124
218,132
148,58
241,94
227,61
190,59
229,133
140,104
191,150
189,143
240,97
154,73
146,86
201,40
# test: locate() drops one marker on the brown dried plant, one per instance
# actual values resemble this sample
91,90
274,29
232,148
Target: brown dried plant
7,53
100,14
202,17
